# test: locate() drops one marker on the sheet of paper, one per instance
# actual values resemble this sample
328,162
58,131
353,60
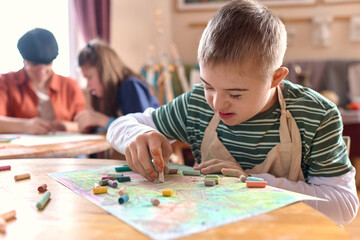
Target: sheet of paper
35,140
193,207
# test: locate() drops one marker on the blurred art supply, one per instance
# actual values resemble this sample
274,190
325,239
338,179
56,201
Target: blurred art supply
4,217
6,167
22,176
122,191
43,200
167,192
242,178
110,178
123,199
103,182
209,182
8,215
124,179
155,201
2,225
99,190
112,184
251,179
191,173
123,168
115,175
161,177
256,184
42,188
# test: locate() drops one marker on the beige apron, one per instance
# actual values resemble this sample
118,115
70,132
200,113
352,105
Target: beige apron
284,160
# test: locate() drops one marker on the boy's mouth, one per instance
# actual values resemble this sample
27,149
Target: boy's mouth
226,115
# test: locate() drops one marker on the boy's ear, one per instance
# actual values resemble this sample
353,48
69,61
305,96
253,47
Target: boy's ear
279,75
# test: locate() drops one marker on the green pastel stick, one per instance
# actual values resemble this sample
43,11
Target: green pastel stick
43,200
191,173
124,168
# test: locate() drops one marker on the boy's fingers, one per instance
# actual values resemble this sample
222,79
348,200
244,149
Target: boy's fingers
156,154
207,164
219,165
231,172
136,163
143,153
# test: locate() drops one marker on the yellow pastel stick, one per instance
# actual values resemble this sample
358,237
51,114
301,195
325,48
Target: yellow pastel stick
99,190
167,192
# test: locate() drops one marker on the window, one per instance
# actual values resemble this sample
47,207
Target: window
19,16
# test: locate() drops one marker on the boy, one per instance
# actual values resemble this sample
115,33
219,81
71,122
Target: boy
244,119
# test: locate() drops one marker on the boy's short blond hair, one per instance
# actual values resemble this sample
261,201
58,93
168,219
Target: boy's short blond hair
246,33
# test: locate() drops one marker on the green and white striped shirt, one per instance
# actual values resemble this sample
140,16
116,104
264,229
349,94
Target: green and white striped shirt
323,150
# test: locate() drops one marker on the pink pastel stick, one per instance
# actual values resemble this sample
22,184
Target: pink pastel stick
110,178
122,190
7,167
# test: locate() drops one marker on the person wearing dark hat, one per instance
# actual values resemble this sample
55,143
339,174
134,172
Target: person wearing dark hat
35,100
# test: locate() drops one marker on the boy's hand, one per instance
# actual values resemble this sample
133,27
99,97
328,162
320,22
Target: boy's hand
147,146
228,168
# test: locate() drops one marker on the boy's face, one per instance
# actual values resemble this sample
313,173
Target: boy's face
236,97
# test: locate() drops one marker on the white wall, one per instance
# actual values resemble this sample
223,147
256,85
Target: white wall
133,28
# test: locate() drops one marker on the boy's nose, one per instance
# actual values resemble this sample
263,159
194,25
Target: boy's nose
220,103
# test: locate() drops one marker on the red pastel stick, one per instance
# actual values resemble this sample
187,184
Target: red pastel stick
42,188
7,167
256,184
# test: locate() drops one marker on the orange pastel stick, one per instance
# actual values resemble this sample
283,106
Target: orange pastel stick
22,176
256,184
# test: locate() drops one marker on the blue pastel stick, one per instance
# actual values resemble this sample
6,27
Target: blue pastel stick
123,199
254,179
124,179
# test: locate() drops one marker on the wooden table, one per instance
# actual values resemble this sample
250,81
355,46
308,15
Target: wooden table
70,216
59,150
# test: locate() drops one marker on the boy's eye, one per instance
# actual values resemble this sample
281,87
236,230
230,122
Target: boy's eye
207,87
235,96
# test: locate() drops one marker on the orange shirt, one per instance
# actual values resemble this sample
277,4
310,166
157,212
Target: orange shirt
18,98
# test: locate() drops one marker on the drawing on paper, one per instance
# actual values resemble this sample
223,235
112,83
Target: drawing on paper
192,209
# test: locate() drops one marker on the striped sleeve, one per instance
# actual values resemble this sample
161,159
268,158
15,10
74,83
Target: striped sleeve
170,119
328,154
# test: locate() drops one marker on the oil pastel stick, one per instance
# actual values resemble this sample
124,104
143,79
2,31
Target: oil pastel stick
43,200
99,190
122,191
22,176
123,199
191,173
6,167
8,215
256,184
155,201
123,168
42,188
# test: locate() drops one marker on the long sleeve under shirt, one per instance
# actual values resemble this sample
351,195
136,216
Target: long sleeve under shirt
325,164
